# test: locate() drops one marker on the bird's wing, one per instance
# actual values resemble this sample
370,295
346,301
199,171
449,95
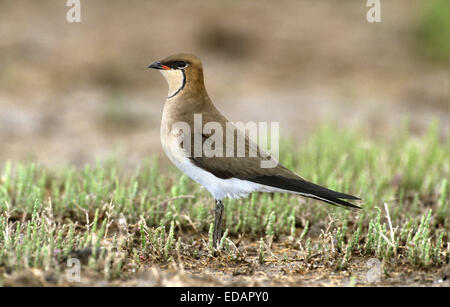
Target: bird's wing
249,168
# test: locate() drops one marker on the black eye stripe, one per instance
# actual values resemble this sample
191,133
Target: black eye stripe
176,64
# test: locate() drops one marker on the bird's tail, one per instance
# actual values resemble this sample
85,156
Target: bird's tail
308,189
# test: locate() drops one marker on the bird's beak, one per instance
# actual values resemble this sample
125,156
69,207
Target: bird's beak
158,65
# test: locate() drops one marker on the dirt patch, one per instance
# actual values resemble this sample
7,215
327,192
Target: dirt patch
284,266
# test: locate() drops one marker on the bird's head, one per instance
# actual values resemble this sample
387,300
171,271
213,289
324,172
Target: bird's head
183,72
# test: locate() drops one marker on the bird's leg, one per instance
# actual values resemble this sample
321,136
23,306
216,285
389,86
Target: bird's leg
218,222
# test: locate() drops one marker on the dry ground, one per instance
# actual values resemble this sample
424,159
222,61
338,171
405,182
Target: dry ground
285,266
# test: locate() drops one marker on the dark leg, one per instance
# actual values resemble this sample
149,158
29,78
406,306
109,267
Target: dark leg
217,235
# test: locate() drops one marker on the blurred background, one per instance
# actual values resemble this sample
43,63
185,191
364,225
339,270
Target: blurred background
74,92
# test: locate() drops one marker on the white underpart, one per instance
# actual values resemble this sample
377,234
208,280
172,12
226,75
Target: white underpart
174,78
219,188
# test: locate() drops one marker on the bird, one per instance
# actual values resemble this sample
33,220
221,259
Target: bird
228,175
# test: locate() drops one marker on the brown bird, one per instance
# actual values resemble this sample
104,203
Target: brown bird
233,174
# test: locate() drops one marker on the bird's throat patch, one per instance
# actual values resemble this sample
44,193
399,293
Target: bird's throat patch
176,79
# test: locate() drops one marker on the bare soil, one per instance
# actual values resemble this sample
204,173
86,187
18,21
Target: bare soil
283,266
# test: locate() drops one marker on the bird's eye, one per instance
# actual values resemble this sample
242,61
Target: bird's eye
177,64
181,64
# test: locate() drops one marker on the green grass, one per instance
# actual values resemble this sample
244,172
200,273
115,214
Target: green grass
127,219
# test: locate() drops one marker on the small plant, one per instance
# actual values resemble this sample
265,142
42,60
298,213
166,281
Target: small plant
211,239
170,240
261,258
223,240
270,228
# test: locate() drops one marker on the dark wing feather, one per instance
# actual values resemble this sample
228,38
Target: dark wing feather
308,189
278,177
